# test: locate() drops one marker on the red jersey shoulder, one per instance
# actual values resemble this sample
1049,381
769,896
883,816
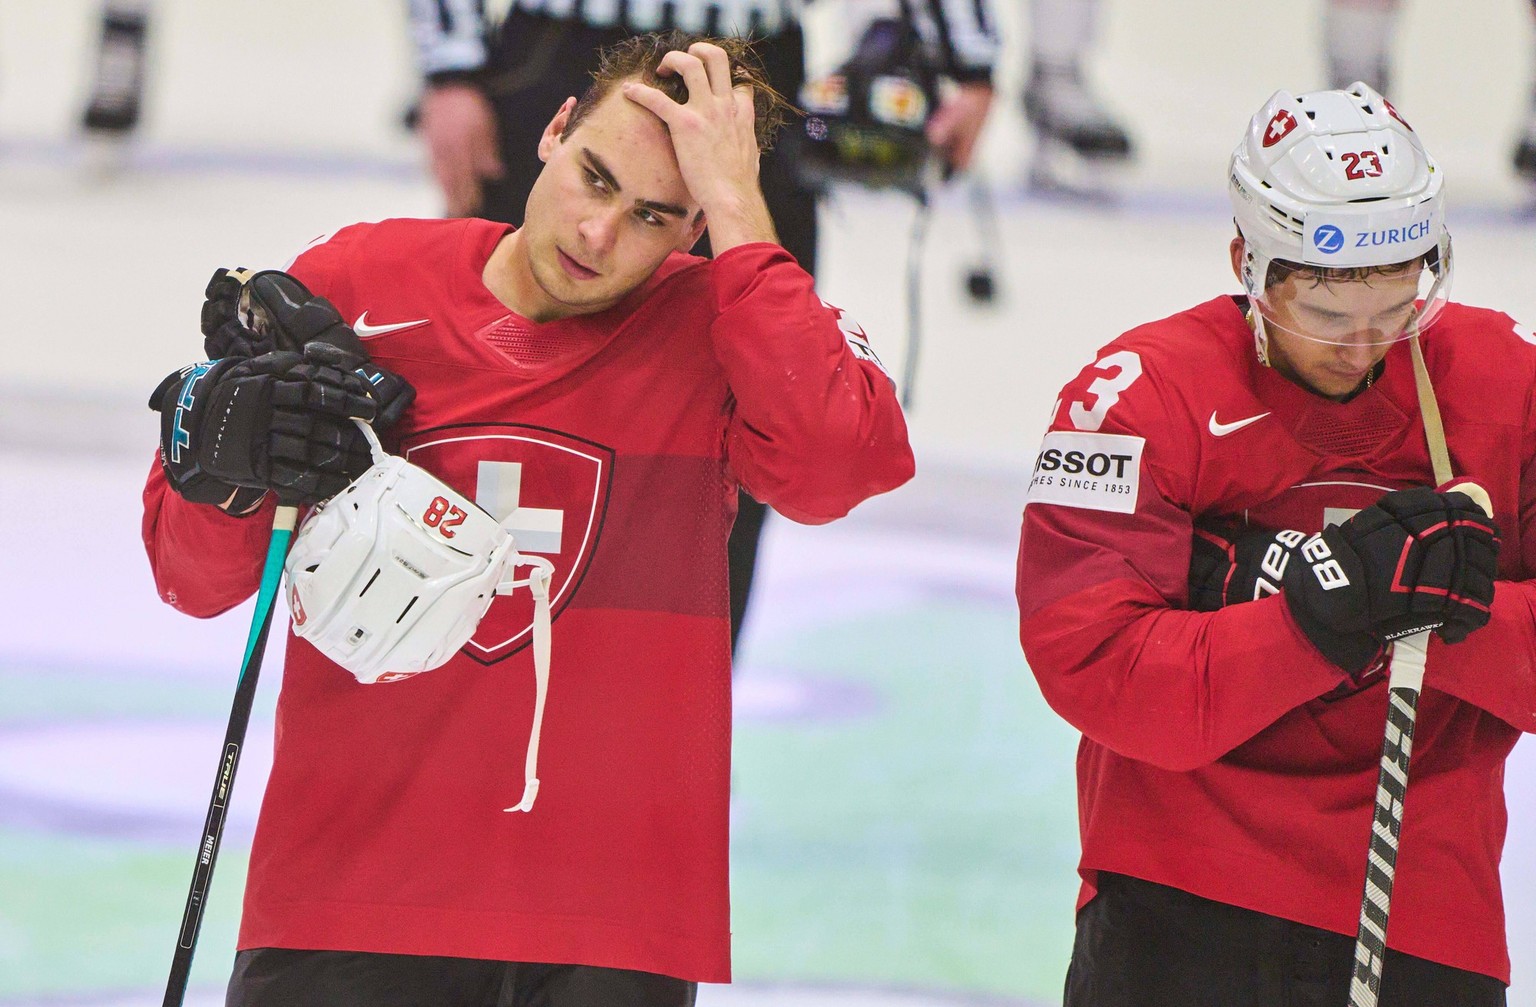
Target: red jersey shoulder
1177,397
1112,421
1481,354
1163,375
367,259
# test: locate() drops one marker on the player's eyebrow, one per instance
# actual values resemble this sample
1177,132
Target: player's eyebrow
596,164
1391,309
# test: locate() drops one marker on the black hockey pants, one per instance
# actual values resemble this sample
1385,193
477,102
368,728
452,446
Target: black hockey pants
1146,945
279,977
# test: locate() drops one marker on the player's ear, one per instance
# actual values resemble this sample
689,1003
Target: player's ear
551,136
695,231
1237,248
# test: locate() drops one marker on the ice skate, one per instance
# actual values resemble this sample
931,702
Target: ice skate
1079,146
117,90
1525,150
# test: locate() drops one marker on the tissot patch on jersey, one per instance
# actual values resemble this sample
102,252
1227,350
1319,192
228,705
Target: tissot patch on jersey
1088,470
551,490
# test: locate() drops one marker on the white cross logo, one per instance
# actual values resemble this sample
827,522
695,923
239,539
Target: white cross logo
1281,124
499,489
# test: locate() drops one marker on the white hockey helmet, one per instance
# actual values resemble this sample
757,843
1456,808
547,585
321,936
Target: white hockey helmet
390,577
1337,181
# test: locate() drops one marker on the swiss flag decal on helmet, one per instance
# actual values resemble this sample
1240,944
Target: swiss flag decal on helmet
1280,126
555,488
1393,113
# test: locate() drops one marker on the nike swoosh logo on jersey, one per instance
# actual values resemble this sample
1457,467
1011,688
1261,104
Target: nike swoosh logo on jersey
1219,429
365,331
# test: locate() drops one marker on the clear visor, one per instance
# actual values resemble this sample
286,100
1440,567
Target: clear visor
1356,307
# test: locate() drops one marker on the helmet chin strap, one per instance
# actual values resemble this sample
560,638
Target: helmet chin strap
1256,264
1260,334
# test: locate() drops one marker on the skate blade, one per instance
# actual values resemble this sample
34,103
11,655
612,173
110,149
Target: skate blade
105,156
1058,171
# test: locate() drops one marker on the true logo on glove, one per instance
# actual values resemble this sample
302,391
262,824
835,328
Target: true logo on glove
181,438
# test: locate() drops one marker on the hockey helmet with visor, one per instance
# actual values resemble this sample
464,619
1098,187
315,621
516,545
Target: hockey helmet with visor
1342,216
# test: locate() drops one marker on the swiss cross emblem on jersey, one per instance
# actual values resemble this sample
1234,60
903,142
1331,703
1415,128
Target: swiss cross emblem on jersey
549,489
1280,126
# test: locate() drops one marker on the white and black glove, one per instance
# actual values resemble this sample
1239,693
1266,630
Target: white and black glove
1415,560
279,421
247,315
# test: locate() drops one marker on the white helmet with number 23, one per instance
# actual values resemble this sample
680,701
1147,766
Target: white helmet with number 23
1338,180
390,577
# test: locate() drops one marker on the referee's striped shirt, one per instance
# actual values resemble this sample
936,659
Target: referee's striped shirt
450,35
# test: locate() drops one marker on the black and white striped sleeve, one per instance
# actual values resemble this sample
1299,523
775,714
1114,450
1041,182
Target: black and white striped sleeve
964,34
449,37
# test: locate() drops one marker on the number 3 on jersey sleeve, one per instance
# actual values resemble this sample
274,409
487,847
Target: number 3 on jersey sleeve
1123,367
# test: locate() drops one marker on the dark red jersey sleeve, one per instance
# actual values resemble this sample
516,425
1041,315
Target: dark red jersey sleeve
816,426
1102,582
204,561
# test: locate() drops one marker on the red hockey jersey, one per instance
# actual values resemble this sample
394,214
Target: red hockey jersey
1220,754
616,441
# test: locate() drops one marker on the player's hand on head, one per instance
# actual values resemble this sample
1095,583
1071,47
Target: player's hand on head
280,421
1415,560
714,132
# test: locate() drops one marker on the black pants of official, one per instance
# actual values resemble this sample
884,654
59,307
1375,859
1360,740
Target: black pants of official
538,62
1141,944
279,977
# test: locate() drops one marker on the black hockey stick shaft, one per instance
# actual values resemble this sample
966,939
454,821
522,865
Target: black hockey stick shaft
229,756
1406,681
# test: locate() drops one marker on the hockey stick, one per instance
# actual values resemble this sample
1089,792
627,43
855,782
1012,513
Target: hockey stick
229,759
1403,687
914,297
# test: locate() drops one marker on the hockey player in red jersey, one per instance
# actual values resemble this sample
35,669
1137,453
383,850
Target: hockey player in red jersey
605,392
1229,521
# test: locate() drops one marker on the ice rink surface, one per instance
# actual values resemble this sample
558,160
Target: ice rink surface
904,825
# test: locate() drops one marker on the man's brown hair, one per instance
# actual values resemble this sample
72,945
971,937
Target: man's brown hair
638,57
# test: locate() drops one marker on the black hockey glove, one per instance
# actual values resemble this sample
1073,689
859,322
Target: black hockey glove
224,334
279,421
1417,559
1230,565
248,315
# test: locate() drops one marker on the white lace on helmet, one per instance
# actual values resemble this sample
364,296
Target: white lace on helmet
390,577
1338,179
